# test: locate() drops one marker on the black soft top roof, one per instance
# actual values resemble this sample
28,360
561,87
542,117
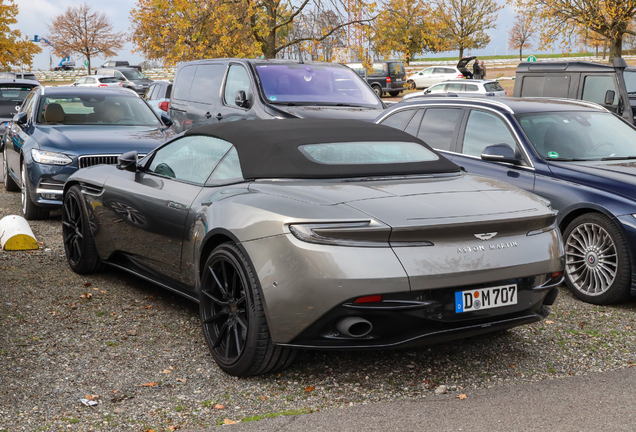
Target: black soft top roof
269,148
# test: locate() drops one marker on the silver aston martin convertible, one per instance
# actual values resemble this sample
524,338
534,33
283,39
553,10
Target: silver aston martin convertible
321,234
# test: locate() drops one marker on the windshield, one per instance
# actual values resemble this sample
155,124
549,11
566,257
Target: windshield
11,98
108,80
630,82
303,84
579,135
133,74
120,109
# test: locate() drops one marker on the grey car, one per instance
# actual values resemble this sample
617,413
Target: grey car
320,234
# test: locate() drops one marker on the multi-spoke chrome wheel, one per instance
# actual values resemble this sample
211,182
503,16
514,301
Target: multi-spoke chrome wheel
234,323
72,230
226,315
79,244
596,265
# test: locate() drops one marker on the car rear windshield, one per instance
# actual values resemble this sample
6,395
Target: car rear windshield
572,136
304,84
108,80
11,98
133,74
630,81
493,87
367,153
107,109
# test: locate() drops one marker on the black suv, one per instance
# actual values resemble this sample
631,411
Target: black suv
612,86
12,94
209,91
130,77
384,77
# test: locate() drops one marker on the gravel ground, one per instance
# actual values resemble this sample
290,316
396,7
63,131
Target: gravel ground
138,351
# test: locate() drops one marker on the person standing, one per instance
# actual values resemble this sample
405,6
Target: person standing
476,70
483,70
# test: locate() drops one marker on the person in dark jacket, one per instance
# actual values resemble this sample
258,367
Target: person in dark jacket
476,70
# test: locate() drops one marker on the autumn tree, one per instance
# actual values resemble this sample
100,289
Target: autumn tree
521,33
82,31
465,22
13,49
178,30
406,28
611,19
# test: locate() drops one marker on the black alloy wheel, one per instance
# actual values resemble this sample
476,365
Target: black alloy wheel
597,262
79,244
233,319
9,184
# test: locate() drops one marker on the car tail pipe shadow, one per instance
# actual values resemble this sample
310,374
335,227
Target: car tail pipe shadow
355,327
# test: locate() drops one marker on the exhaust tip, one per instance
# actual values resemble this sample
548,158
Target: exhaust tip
355,327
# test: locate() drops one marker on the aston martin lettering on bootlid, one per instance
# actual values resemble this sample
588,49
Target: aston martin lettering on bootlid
494,246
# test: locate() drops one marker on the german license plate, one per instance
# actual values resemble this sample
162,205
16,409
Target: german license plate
485,298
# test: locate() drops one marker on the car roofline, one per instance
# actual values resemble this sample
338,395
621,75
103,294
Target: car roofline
573,102
472,99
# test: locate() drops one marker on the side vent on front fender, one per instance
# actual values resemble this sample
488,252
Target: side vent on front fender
90,189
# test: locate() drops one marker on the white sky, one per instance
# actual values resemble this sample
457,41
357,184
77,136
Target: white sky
36,14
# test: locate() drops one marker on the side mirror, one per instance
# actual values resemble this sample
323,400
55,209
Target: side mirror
165,118
241,99
128,161
609,97
500,153
20,118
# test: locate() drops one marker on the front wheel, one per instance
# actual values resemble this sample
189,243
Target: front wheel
30,210
233,319
597,264
79,244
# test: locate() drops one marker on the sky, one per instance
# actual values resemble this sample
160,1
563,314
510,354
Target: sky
36,14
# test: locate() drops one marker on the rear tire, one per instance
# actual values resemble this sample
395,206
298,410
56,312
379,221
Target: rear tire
79,244
394,93
412,85
9,184
233,319
597,262
30,210
378,90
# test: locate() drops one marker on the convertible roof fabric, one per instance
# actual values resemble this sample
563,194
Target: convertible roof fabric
269,148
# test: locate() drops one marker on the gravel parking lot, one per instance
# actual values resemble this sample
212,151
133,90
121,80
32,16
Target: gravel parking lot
138,351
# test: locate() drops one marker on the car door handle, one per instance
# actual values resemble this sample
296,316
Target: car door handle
219,116
208,115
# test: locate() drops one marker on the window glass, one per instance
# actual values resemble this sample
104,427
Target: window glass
206,85
91,81
237,80
11,98
484,129
399,119
450,71
596,86
367,153
428,71
440,71
229,168
81,81
121,109
471,88
437,88
630,81
548,86
108,80
167,93
148,94
414,124
133,74
191,158
493,87
27,106
396,69
183,81
454,87
579,135
438,127
118,74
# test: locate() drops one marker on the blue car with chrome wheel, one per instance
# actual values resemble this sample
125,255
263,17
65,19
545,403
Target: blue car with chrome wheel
576,154
60,130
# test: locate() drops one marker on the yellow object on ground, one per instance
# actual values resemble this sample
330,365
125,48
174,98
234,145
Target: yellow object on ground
16,234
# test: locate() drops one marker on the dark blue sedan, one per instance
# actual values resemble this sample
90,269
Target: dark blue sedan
61,129
576,154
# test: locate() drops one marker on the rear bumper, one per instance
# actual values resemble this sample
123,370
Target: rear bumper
406,323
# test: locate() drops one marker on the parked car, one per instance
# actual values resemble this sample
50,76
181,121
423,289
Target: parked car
19,76
210,91
576,154
435,74
12,94
119,63
462,88
383,76
61,129
612,86
101,81
317,233
130,78
158,95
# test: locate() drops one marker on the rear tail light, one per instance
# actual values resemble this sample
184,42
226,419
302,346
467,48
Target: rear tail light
553,275
120,84
369,299
102,85
460,76
164,106
506,92
388,79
